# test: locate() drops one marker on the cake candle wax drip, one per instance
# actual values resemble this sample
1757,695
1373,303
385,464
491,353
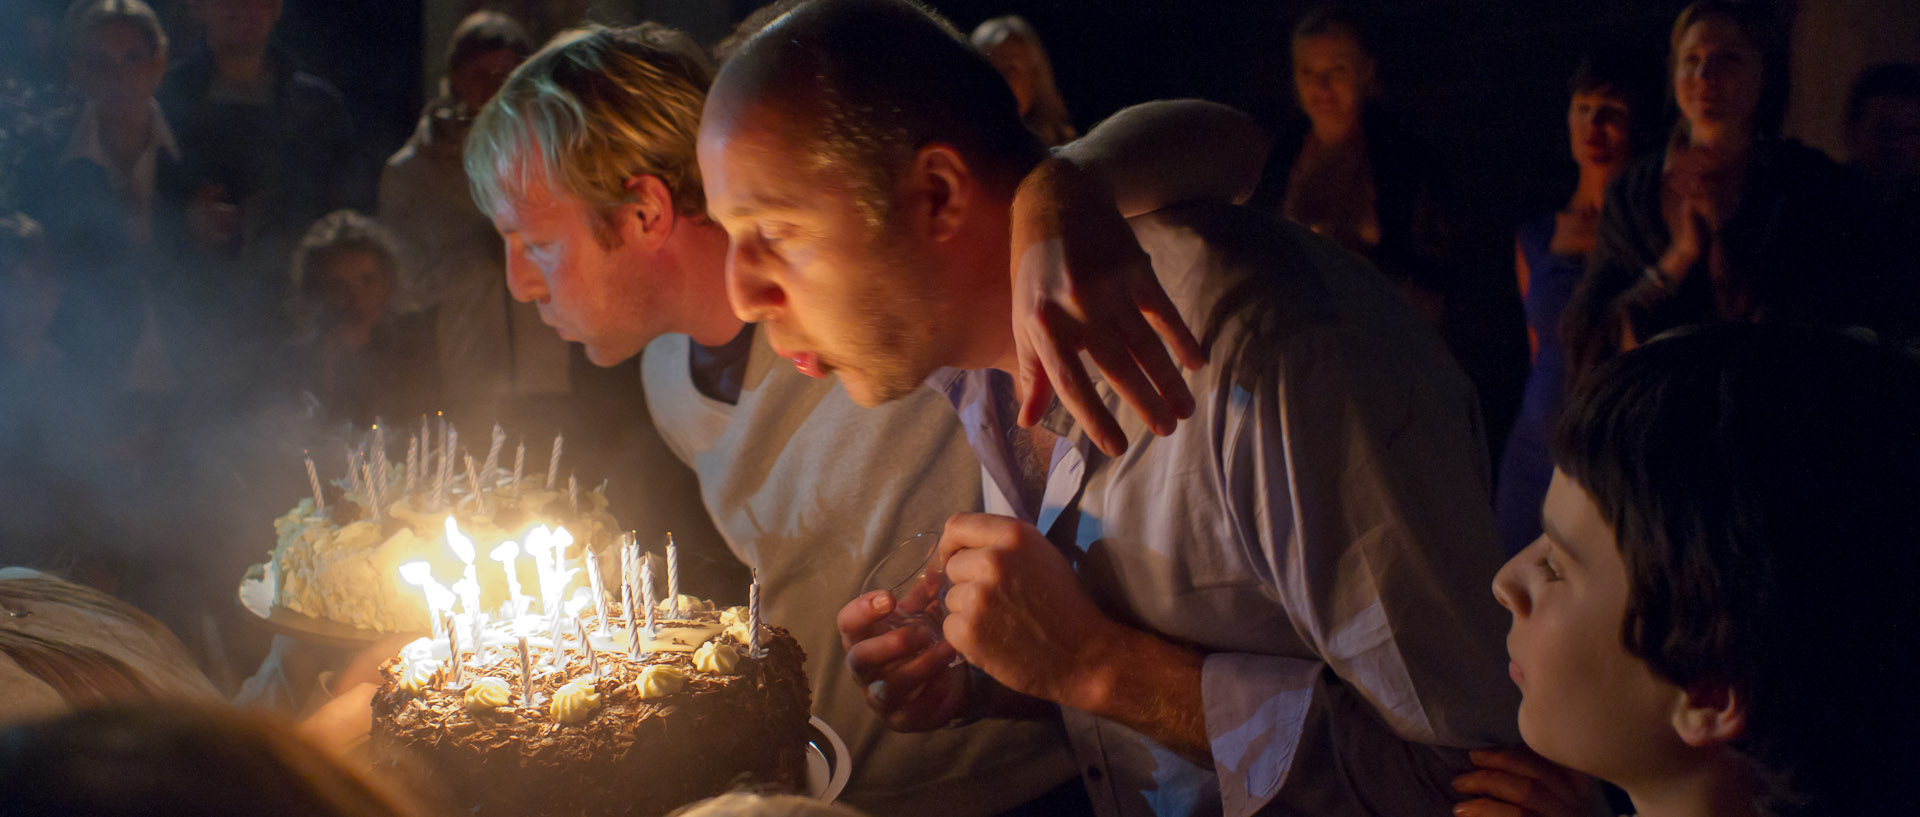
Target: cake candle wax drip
493,457
673,576
526,673
313,478
553,462
753,616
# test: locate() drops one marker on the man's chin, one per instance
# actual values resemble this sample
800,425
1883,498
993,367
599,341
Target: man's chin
871,394
608,357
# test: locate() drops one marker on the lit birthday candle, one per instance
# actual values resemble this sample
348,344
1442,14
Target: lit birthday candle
505,554
493,457
673,576
469,588
633,633
519,460
439,598
559,632
553,462
599,593
646,590
473,484
373,492
313,478
753,616
540,547
379,456
526,673
586,646
453,651
413,462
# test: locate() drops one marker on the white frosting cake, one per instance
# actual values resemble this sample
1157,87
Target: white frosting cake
341,565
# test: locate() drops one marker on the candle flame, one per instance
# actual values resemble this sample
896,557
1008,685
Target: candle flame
439,598
461,545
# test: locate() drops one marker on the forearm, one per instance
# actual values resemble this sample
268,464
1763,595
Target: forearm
1159,153
1149,685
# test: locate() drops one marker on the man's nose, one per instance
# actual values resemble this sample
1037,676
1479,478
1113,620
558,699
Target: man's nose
754,293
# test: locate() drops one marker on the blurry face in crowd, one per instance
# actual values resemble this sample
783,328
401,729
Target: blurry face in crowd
585,270
352,287
477,78
1331,74
832,293
116,67
1586,702
1885,138
1597,125
1717,75
237,26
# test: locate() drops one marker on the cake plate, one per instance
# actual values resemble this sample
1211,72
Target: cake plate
829,764
256,597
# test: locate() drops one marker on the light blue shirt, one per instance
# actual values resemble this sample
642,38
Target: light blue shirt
1320,528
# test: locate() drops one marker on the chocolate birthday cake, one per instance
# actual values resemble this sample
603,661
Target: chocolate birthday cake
695,714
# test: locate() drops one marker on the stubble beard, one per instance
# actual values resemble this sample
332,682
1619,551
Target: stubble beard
899,321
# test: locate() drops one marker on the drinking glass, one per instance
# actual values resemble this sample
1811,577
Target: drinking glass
914,575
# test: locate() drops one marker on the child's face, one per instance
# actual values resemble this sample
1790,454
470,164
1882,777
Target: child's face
1586,703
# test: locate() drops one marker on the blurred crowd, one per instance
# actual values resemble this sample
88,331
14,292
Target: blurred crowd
199,279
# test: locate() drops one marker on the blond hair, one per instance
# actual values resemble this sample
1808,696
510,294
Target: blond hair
592,109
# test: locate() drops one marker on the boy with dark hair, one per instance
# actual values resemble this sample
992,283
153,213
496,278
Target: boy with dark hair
1718,617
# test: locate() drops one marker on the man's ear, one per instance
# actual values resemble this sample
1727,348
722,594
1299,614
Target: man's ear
941,188
649,208
1710,714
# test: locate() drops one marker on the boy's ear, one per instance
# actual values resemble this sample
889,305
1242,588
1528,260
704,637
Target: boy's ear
1710,714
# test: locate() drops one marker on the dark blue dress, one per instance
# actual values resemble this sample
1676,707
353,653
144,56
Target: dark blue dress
1525,466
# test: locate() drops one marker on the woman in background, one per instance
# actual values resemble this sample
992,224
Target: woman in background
1014,48
1352,171
1732,223
1550,257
